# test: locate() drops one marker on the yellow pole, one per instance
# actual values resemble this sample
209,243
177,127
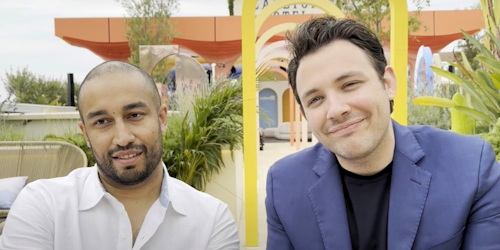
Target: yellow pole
250,26
399,57
297,126
292,114
249,121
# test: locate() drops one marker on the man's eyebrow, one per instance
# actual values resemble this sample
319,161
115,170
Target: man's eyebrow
348,74
96,113
134,105
309,92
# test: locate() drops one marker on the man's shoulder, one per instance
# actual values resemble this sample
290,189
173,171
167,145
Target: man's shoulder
432,137
447,151
74,181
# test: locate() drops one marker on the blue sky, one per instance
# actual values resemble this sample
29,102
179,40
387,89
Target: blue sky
27,32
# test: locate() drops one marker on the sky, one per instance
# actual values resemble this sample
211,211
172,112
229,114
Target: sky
27,37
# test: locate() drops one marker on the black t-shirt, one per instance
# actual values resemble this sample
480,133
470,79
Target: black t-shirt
367,204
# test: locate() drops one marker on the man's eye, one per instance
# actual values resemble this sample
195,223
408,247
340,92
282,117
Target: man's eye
135,116
315,99
100,122
350,84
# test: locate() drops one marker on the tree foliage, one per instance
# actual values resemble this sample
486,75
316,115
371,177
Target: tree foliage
29,87
230,5
468,47
373,13
148,24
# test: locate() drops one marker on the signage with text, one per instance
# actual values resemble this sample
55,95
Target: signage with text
295,9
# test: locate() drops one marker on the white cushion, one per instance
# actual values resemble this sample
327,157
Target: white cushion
9,189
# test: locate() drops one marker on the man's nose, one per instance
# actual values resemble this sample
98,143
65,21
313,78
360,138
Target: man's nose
338,107
123,135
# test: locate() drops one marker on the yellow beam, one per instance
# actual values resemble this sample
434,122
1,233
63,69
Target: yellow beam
399,57
249,121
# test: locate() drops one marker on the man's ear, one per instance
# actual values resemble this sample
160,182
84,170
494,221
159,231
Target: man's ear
390,83
81,126
162,117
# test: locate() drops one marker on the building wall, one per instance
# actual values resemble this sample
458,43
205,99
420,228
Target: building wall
282,92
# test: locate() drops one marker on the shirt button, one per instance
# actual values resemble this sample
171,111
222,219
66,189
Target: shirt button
124,236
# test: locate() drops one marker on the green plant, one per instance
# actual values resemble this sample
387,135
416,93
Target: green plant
494,138
195,138
74,138
426,115
374,13
230,6
481,87
7,134
481,99
148,23
29,87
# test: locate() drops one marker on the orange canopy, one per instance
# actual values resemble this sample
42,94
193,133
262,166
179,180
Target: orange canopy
218,39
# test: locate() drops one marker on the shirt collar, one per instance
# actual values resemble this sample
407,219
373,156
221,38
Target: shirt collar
93,191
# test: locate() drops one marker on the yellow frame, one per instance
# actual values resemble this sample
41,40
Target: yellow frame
250,26
270,33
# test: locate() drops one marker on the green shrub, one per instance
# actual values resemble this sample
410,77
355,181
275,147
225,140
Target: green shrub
427,115
7,134
494,138
194,138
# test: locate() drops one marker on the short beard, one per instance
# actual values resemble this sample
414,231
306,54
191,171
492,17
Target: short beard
131,177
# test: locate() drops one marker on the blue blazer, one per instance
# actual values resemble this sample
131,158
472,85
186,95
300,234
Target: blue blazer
445,194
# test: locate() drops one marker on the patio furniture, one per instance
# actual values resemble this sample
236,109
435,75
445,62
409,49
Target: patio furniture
38,160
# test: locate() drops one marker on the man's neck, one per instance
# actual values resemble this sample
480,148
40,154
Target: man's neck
149,189
377,160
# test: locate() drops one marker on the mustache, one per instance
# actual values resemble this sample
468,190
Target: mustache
338,122
130,146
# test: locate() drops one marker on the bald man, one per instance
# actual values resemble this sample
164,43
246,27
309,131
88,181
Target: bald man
127,200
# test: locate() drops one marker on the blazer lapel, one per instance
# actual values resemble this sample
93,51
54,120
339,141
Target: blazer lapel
409,189
327,200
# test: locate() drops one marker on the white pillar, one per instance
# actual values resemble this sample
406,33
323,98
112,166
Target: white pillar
213,72
304,133
297,126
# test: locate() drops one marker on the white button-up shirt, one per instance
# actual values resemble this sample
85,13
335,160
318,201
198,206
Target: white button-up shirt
75,212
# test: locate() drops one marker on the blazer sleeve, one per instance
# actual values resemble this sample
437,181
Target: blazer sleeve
277,238
483,225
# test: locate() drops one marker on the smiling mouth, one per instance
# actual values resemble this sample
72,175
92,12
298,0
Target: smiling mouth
124,157
346,127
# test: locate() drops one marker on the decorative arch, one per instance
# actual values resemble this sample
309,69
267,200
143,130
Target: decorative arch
279,71
151,55
268,101
288,106
262,59
271,47
275,63
271,32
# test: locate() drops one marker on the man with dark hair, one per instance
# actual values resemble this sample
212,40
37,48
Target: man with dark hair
127,200
371,183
